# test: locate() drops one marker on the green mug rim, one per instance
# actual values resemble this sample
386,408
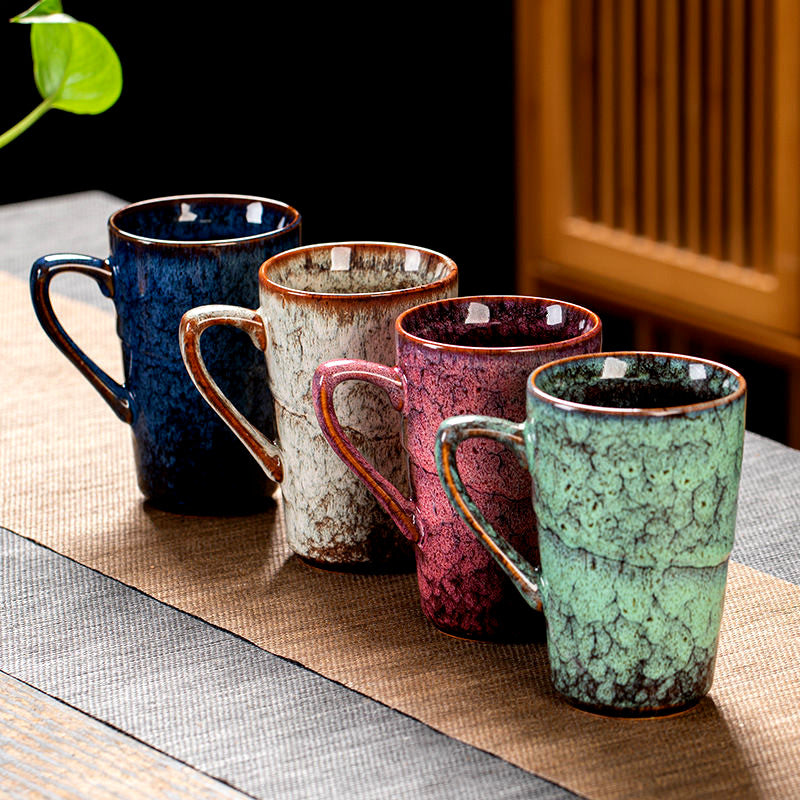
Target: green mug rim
665,411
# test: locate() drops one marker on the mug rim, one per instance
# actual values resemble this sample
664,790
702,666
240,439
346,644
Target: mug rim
663,411
274,262
595,329
153,202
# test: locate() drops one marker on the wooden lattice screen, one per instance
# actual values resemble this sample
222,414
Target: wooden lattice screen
659,157
671,109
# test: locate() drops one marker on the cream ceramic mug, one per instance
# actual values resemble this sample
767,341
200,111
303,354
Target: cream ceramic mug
318,303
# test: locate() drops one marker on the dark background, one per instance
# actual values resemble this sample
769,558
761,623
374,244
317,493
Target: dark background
390,122
386,122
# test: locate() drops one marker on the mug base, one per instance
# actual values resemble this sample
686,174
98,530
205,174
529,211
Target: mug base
632,713
525,634
400,567
203,507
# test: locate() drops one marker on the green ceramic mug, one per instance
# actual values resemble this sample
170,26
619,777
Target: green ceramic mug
635,460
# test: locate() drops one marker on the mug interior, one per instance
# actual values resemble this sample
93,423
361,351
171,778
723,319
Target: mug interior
356,268
498,322
203,218
636,381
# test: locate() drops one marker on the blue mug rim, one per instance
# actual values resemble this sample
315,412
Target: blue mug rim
121,233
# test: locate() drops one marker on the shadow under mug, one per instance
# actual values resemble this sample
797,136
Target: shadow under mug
463,355
168,255
322,302
635,460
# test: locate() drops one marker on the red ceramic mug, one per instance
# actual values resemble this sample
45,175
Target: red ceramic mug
468,355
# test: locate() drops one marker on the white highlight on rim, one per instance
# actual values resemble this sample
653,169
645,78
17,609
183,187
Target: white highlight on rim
555,315
413,260
614,368
477,314
255,211
187,215
340,259
697,372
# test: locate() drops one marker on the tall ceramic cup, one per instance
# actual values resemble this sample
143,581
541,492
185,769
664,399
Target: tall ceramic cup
635,460
168,255
317,303
470,354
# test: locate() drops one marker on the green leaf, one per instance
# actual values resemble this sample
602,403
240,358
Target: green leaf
74,65
37,12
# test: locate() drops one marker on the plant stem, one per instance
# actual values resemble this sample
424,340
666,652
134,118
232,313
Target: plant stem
26,122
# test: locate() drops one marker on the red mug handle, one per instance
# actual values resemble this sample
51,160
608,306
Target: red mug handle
326,378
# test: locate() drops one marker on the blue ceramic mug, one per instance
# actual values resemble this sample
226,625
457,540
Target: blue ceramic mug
168,255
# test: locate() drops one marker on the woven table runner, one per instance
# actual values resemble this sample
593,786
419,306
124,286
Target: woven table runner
70,463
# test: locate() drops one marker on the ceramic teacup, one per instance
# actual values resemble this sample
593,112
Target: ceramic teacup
470,354
635,460
324,302
168,255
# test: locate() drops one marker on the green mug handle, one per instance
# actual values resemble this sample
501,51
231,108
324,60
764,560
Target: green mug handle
451,433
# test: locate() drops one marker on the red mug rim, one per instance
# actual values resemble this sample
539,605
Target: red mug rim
594,330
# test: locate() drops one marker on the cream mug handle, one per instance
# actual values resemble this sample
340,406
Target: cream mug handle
451,433
193,323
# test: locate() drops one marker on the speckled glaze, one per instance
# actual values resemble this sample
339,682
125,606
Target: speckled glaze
166,256
470,354
318,303
635,460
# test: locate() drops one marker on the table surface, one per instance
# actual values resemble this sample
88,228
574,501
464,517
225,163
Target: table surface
122,678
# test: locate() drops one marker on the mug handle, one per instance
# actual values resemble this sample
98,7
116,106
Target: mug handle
42,272
193,323
451,433
326,378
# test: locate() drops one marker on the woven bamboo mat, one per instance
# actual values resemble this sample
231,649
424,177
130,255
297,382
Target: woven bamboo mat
69,483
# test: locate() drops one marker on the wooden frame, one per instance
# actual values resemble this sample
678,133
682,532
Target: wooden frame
608,255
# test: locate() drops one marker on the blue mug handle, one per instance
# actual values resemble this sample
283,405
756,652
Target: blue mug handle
451,433
42,272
